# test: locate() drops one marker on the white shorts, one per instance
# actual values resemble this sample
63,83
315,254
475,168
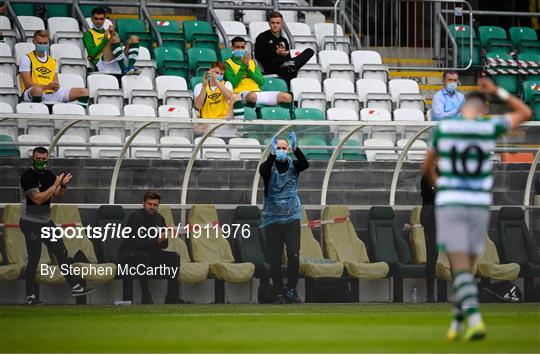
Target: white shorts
60,95
462,229
268,98
111,67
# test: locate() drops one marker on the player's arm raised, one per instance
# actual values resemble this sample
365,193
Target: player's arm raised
520,111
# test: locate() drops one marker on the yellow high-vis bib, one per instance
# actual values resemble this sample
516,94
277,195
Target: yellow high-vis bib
98,38
246,84
215,105
42,73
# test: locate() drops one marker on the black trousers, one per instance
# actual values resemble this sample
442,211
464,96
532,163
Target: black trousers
150,259
32,237
283,72
277,236
427,219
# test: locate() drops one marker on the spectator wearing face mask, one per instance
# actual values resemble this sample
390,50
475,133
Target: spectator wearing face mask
448,101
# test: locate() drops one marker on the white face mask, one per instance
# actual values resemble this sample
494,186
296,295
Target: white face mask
102,27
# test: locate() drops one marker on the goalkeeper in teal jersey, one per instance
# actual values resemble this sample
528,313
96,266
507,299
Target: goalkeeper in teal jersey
461,149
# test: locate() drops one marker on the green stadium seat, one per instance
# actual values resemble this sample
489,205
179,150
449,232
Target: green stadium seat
525,40
314,153
200,59
274,84
387,245
200,34
250,113
275,113
170,61
129,27
170,34
533,57
226,53
194,80
509,82
493,39
23,9
8,150
58,10
350,154
531,96
517,246
461,34
311,114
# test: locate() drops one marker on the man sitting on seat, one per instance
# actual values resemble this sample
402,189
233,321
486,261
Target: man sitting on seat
273,52
247,79
39,77
141,249
105,50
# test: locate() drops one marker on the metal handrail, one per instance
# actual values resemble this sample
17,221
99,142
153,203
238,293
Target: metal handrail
14,19
76,9
151,24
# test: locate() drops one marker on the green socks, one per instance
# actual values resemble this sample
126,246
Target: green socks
118,55
133,53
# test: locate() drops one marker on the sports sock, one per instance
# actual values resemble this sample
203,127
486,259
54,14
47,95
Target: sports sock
238,110
83,101
466,294
118,55
133,53
37,98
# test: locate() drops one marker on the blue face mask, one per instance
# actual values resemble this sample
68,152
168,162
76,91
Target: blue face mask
451,87
42,48
219,77
281,155
239,53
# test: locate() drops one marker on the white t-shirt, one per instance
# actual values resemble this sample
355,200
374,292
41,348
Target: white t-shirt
198,88
25,65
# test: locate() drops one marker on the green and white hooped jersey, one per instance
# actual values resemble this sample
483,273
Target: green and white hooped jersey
464,148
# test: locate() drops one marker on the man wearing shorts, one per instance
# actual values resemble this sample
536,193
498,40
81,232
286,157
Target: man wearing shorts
39,77
461,149
247,79
105,49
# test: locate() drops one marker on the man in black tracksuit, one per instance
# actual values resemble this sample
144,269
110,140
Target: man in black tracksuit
37,187
273,52
140,250
427,220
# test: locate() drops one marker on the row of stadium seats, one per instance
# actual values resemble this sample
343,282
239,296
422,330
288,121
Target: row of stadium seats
238,260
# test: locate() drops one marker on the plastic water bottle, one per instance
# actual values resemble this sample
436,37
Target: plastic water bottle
414,294
122,303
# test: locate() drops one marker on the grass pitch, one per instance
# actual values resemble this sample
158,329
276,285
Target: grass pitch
314,328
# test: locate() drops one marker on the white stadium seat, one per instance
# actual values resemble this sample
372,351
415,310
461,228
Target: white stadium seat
105,152
70,81
5,108
341,114
139,110
373,93
378,115
223,14
251,16
257,27
65,30
10,37
30,24
81,129
214,152
253,153
175,153
289,16
116,128
104,89
22,49
144,152
138,89
73,151
69,59
340,93
308,93
174,90
412,154
324,33
406,94
103,110
145,63
302,35
32,108
335,64
373,155
368,65
408,114
33,140
233,29
176,129
8,64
